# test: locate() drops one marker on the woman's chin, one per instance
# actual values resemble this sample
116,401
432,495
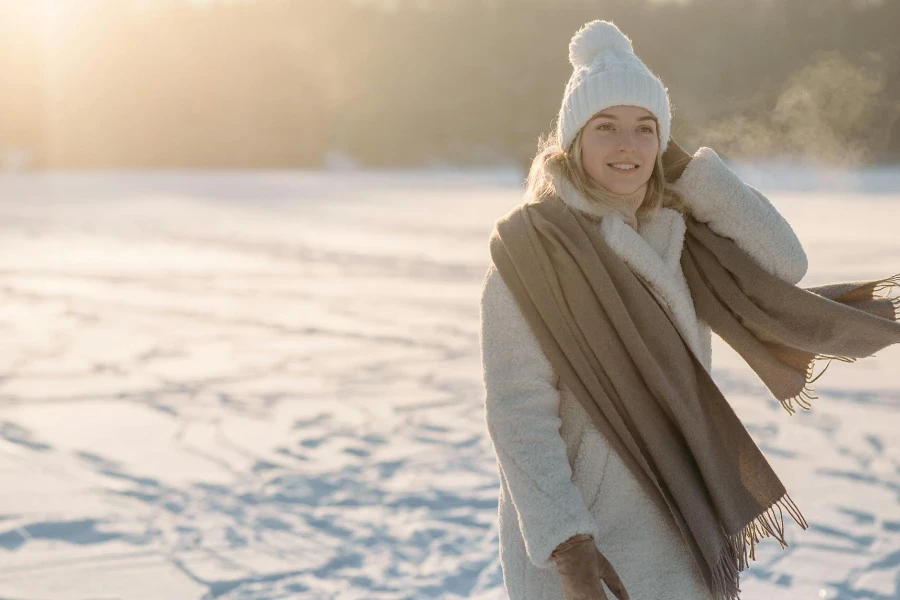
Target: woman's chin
621,189
621,186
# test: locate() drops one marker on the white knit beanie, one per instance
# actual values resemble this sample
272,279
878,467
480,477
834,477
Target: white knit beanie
607,73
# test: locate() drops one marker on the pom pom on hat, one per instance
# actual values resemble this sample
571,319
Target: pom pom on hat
593,38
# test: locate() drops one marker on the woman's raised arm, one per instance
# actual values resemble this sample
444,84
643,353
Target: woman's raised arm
736,210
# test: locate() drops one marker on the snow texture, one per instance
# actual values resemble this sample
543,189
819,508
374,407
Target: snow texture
268,385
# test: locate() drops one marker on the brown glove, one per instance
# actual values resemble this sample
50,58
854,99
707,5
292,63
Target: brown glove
675,160
581,567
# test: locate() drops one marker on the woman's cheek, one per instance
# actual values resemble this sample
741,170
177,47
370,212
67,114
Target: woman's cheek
649,149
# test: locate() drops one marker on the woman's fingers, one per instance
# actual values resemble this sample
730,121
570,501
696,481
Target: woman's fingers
599,594
611,578
583,570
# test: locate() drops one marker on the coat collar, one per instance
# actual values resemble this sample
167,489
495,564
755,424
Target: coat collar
653,253
664,233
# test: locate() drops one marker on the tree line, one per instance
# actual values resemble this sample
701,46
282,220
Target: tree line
296,83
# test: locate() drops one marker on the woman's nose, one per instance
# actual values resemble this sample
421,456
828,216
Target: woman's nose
626,141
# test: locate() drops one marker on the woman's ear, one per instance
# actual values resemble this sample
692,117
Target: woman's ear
675,160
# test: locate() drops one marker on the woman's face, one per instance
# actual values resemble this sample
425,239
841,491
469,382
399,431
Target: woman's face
620,134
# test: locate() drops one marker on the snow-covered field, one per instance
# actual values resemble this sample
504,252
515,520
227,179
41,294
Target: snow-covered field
268,385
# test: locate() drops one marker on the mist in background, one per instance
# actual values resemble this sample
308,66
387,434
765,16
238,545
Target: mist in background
309,84
240,275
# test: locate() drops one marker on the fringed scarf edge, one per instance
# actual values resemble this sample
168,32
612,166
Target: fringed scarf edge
740,548
806,394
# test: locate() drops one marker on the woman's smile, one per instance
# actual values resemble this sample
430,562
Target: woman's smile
627,172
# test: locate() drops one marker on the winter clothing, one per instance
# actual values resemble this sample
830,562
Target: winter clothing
581,569
558,473
782,330
616,347
674,161
607,73
630,202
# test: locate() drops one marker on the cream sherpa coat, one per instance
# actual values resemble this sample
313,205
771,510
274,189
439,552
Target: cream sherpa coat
558,476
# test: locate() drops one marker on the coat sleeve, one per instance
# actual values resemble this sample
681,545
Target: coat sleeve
522,414
736,210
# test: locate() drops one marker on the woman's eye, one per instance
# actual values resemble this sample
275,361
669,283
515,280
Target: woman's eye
646,128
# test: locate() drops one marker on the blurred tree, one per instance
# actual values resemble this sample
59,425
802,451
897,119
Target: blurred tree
280,83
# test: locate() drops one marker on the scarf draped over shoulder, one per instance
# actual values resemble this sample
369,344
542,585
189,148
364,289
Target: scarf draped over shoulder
617,348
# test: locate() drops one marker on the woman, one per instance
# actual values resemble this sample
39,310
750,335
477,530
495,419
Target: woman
570,512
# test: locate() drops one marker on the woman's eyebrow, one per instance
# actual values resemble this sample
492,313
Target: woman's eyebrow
615,118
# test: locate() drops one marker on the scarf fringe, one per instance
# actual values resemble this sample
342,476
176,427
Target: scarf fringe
887,283
886,286
805,395
740,548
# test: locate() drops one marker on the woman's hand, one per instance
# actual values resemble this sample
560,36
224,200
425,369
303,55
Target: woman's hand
582,567
675,160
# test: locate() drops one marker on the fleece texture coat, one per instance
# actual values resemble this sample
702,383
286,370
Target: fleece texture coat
558,474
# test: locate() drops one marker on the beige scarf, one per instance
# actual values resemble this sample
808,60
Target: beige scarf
617,348
603,202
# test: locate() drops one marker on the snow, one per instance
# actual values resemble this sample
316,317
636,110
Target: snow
268,385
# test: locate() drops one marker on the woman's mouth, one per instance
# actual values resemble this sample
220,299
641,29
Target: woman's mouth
624,168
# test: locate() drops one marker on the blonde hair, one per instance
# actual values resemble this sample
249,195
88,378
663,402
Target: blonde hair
552,161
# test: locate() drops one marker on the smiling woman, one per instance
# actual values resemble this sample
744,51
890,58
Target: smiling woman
619,134
619,147
575,513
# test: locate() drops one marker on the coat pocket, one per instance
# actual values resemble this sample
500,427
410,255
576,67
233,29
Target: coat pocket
588,450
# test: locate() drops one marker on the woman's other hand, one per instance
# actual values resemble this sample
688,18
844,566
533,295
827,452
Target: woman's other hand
582,567
675,160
